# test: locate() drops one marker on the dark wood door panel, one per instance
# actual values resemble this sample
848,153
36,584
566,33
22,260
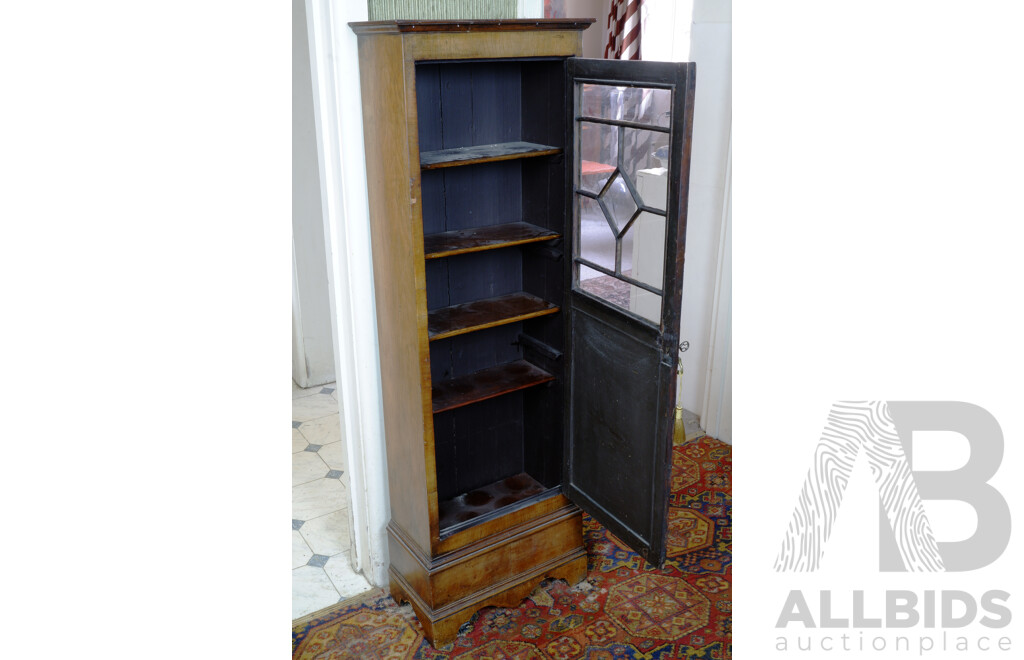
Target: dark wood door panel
622,367
614,465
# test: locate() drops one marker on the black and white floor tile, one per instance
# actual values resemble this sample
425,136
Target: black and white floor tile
321,571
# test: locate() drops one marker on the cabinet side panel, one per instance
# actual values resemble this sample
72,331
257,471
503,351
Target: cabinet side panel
399,283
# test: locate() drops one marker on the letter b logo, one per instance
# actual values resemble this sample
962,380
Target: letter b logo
884,431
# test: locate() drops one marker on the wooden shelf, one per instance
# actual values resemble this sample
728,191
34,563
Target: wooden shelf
486,499
487,313
487,384
463,241
484,153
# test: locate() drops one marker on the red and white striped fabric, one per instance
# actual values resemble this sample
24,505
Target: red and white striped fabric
623,30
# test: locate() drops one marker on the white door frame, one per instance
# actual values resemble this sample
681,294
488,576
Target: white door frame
716,411
339,124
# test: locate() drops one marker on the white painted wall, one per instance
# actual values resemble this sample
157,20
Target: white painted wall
716,412
530,9
711,50
666,30
593,36
312,342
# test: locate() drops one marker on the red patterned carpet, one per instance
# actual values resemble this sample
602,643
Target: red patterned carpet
624,610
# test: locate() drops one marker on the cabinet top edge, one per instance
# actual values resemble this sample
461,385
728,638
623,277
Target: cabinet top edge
470,25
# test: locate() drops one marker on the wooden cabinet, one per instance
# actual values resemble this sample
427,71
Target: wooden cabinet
527,295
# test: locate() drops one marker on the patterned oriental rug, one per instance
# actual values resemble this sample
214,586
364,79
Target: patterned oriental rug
625,609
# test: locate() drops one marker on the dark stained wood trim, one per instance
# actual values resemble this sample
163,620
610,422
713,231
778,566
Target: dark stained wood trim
484,153
619,276
478,239
487,384
640,522
623,122
487,313
476,25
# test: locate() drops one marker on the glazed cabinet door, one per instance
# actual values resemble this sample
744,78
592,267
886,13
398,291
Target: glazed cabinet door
630,130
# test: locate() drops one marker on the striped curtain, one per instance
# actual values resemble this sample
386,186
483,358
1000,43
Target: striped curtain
623,30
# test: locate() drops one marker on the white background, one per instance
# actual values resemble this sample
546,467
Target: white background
878,225
145,172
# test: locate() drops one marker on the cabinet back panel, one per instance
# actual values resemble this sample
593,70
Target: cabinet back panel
461,104
474,276
478,444
484,275
486,194
544,99
436,272
432,202
471,196
475,103
465,104
542,430
428,106
544,185
464,354
543,277
543,182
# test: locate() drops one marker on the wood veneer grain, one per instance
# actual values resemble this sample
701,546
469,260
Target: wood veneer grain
487,313
400,294
478,45
487,384
478,239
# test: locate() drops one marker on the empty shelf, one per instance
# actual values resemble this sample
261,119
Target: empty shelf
484,153
486,313
485,499
487,384
462,241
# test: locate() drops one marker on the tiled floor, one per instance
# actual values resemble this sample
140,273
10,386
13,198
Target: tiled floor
321,571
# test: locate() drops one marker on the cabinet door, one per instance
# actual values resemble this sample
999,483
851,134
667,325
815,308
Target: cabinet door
629,163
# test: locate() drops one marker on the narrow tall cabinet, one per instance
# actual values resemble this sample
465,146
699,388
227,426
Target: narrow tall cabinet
527,295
